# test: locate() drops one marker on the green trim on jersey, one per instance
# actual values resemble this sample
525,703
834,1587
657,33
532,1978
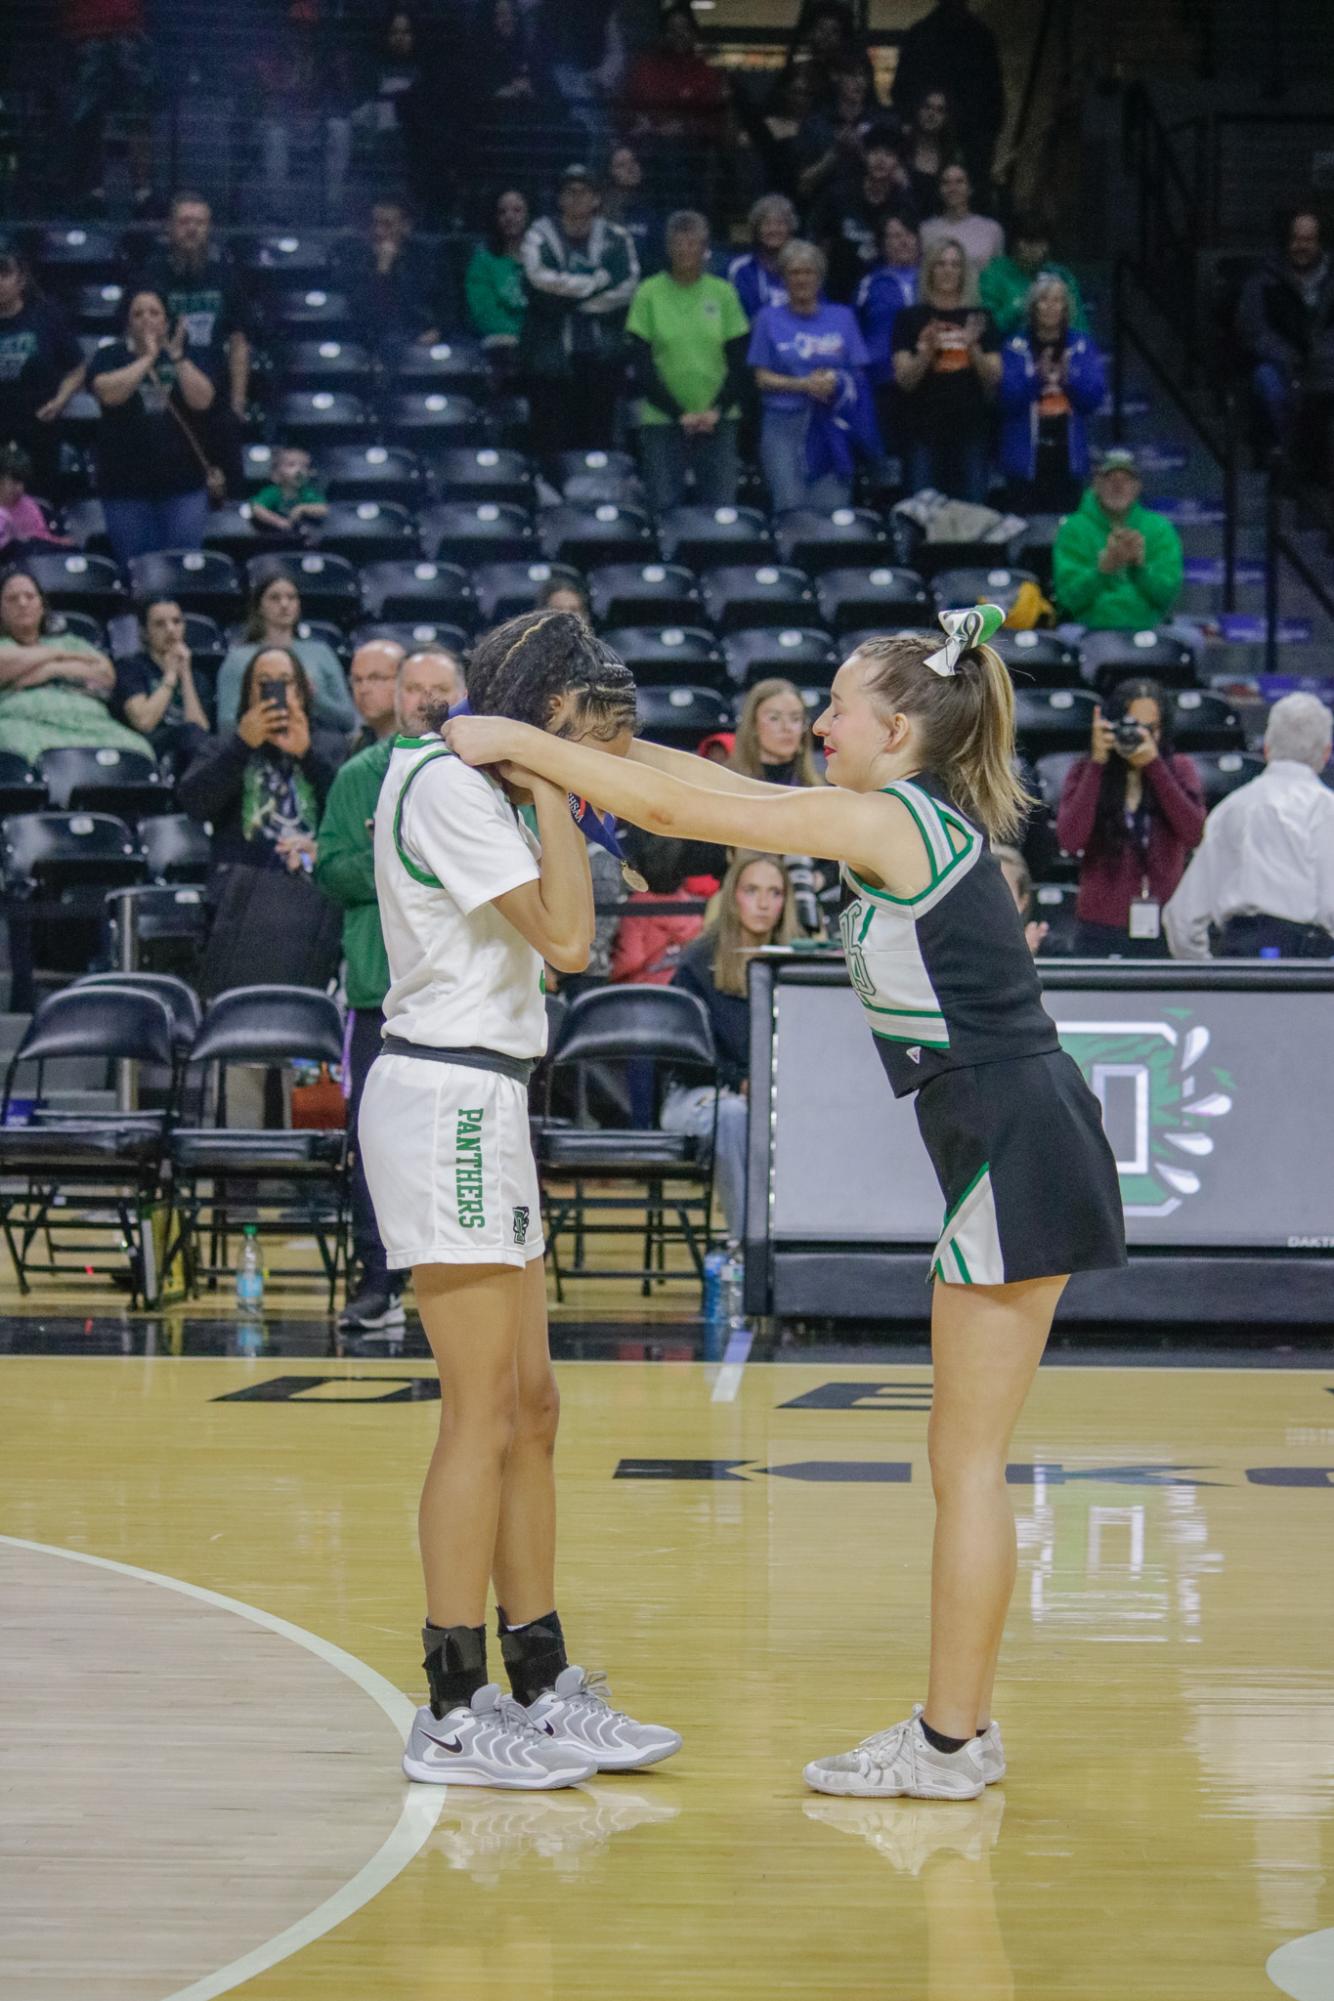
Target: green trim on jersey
418,874
947,825
419,743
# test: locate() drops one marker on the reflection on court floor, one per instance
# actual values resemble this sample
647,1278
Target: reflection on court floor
752,1570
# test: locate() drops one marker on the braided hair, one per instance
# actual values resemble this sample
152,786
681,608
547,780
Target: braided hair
522,668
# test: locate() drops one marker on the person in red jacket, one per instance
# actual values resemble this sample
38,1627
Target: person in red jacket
648,949
1133,810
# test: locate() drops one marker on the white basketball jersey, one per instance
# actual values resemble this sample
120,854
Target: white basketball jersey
447,843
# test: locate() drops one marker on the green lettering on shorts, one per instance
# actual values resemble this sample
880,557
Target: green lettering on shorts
468,1169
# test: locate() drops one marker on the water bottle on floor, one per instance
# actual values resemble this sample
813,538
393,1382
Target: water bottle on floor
731,1286
249,1273
714,1261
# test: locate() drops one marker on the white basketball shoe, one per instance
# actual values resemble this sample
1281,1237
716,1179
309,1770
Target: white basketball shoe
988,1744
899,1763
578,1713
491,1742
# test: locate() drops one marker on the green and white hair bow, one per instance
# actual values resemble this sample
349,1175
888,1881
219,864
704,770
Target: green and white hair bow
964,630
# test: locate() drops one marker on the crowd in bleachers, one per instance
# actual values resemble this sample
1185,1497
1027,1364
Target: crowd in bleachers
261,489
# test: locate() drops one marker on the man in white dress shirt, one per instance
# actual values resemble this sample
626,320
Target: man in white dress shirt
1263,876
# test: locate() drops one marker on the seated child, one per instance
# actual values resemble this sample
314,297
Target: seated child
21,519
294,500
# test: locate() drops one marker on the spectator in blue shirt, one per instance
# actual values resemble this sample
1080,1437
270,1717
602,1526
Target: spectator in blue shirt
810,369
1052,382
881,297
755,274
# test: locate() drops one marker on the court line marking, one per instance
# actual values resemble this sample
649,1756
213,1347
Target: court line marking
735,1356
421,1809
1303,1967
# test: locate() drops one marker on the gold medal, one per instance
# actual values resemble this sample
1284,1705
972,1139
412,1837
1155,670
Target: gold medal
633,879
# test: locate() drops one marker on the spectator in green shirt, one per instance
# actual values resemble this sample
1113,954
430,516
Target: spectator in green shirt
1006,281
345,872
688,346
293,500
1116,564
493,283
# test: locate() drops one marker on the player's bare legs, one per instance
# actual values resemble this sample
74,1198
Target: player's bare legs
524,1566
472,1315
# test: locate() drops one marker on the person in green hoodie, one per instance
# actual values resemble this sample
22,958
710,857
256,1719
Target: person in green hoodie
1006,282
1116,565
345,871
493,284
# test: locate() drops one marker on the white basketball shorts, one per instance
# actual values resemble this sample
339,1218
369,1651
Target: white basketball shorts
449,1163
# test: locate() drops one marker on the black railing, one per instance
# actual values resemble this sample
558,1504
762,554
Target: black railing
1282,547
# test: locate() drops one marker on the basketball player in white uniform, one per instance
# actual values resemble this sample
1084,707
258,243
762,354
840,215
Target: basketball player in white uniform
472,904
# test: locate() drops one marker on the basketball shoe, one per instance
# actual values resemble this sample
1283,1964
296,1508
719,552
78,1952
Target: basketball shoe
578,1713
988,1744
899,1763
490,1742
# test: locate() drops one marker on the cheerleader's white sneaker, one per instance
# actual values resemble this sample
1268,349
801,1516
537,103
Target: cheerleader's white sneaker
899,1763
578,1712
989,1744
490,1742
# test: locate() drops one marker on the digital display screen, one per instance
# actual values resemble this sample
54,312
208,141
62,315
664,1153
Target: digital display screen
1219,1106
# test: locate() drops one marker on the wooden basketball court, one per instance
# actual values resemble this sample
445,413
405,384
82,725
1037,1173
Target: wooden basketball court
210,1599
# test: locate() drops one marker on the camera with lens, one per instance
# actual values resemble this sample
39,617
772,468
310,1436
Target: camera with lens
1129,735
805,882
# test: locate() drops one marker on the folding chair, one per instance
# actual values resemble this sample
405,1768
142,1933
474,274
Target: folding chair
660,1029
262,1025
112,1159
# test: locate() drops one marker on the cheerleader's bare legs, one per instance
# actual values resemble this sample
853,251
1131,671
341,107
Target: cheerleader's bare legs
986,1344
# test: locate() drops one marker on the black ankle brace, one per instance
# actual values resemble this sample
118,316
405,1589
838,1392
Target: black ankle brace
455,1664
533,1655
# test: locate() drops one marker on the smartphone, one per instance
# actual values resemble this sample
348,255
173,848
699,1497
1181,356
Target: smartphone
275,692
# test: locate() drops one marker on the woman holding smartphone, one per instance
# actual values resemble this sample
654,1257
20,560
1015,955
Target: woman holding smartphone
919,747
473,903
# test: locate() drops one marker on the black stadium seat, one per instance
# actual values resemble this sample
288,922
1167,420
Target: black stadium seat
71,581
413,635
483,472
979,584
477,531
284,258
437,592
175,848
201,580
668,653
85,522
768,594
706,537
1053,719
325,364
123,782
503,590
1038,659
328,585
21,790
459,367
855,599
316,417
1202,719
372,472
846,537
798,653
78,253
96,308
573,465
681,715
644,594
1106,658
420,419
57,868
1224,771
589,536
368,531
309,311
231,530
1051,771
81,624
